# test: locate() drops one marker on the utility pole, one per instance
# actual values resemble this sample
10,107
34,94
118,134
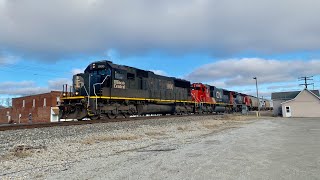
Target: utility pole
306,79
255,78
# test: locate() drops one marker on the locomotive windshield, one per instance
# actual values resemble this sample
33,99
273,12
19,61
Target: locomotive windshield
100,76
102,72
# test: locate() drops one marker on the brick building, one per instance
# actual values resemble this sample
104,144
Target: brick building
41,108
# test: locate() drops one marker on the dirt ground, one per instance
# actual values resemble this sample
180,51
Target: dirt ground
229,147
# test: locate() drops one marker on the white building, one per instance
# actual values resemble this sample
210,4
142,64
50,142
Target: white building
305,104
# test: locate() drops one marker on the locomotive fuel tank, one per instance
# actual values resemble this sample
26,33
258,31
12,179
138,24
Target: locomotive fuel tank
220,109
155,109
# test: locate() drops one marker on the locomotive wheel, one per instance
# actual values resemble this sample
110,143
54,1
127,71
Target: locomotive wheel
111,116
175,113
103,117
126,115
96,117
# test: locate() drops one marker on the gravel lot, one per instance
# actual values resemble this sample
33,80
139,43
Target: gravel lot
42,153
214,147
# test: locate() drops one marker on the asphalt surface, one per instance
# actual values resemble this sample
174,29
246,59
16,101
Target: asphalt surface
264,149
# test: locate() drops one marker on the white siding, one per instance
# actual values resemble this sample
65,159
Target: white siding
304,105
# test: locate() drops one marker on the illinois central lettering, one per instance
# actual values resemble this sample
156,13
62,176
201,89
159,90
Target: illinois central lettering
119,84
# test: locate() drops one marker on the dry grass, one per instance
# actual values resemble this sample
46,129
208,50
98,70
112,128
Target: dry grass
232,117
155,133
184,128
106,138
210,126
22,154
22,151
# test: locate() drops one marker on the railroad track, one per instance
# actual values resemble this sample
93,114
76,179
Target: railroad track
73,123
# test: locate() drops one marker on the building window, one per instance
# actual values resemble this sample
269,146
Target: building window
44,102
33,103
23,103
58,100
20,118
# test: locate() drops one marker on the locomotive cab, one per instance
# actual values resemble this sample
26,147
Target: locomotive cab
99,76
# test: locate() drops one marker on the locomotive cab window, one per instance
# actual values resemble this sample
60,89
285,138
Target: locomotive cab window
102,72
119,75
130,76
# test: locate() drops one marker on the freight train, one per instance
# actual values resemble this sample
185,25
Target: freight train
108,90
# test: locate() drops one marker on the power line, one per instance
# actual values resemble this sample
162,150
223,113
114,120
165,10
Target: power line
36,70
306,79
31,72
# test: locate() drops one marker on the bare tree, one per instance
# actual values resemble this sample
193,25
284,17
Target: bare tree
8,102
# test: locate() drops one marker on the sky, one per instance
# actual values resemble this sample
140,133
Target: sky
222,43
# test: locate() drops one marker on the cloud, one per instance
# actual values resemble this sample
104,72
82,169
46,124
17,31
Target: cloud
24,88
219,84
57,84
160,72
57,28
6,59
240,72
77,71
22,84
283,86
21,88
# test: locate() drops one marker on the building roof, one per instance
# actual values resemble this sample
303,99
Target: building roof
289,95
51,92
310,92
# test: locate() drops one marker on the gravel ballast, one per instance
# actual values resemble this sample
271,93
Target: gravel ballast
46,152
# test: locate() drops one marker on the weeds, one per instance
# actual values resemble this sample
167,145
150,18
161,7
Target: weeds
22,151
155,134
182,128
93,140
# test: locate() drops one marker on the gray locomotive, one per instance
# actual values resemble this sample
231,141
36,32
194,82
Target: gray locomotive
110,90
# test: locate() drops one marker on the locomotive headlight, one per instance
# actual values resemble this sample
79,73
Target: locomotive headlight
77,93
64,94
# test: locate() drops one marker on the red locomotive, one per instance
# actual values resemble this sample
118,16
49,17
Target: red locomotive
218,99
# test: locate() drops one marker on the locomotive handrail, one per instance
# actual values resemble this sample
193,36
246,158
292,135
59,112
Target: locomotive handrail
94,89
87,95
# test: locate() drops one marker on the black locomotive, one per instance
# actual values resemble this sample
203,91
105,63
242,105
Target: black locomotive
110,90
107,90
